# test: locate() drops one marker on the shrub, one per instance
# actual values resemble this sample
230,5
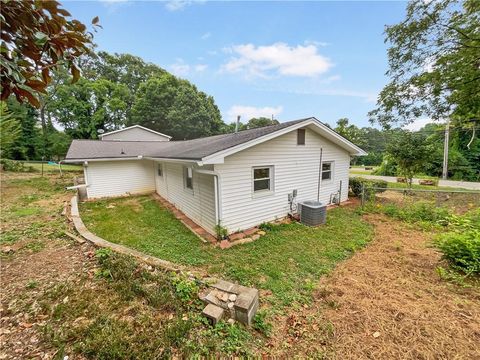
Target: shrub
461,250
461,246
370,186
15,166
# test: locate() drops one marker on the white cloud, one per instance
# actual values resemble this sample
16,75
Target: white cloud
206,36
175,5
200,67
278,58
248,112
182,69
418,124
316,90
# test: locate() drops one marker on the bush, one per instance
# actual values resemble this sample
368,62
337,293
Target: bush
15,166
461,250
370,186
461,246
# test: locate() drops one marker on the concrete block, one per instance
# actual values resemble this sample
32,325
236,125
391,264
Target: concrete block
246,306
213,313
224,286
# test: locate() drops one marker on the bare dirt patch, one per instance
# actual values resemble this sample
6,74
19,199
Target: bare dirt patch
387,302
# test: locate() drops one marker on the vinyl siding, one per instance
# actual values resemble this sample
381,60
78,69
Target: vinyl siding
116,178
295,167
199,204
135,134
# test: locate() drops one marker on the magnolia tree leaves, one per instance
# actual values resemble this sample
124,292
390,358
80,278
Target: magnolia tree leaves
37,37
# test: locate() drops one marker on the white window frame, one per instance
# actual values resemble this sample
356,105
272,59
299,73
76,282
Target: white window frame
271,178
185,175
332,168
160,170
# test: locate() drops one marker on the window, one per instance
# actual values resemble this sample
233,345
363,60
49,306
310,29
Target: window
301,137
188,177
262,178
327,168
160,169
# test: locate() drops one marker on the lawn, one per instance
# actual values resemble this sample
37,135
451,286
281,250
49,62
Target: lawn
360,170
287,261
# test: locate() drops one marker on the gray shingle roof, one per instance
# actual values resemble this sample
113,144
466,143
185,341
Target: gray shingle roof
195,149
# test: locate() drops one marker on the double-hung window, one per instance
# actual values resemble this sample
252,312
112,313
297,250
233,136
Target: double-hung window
188,177
262,179
327,171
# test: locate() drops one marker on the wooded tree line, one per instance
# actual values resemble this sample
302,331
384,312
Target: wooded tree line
116,90
389,147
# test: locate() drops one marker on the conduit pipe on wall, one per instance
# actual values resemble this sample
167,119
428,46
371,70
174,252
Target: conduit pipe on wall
216,184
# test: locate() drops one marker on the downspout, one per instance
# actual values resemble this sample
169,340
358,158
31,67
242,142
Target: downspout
216,185
320,174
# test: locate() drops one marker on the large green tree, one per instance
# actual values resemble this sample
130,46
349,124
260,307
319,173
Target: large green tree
410,152
10,131
434,58
175,107
87,106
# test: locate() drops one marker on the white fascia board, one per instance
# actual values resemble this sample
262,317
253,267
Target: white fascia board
73,161
219,157
172,160
356,150
135,126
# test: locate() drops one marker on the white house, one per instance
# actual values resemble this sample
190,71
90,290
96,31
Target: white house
238,180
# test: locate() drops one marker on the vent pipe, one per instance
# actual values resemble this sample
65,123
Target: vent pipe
237,124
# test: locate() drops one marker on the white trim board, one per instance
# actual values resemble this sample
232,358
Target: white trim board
132,127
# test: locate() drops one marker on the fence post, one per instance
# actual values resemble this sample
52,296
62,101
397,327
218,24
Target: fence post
363,195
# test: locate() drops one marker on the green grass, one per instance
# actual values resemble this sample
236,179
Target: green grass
398,185
131,312
360,170
288,261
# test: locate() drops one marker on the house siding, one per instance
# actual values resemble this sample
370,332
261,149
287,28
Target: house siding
135,134
199,204
117,178
295,167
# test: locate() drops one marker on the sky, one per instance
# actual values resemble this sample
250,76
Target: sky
287,59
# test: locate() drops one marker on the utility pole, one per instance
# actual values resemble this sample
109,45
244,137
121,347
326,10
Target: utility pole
445,151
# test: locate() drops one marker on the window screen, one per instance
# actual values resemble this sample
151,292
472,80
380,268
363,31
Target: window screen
262,178
301,137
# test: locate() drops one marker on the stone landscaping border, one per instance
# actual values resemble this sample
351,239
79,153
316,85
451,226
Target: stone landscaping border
98,241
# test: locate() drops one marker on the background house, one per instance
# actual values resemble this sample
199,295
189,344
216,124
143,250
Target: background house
238,180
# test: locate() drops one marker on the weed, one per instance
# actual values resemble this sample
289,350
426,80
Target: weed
185,288
31,284
35,246
260,323
222,232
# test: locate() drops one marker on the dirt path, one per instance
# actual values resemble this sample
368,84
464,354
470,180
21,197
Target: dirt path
388,302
